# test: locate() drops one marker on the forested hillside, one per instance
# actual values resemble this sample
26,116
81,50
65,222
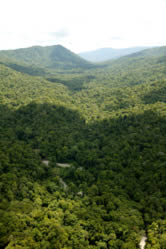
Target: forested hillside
83,154
51,57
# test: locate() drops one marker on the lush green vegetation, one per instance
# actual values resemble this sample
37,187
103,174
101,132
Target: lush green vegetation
109,124
52,57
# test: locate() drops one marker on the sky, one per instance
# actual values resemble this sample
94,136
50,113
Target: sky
82,25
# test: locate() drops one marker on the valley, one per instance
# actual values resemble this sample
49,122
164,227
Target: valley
82,150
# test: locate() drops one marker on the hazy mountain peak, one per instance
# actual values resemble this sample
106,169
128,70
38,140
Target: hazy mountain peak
105,54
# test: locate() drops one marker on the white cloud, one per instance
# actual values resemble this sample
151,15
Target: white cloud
82,25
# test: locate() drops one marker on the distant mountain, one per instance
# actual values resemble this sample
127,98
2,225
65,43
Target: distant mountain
105,54
51,57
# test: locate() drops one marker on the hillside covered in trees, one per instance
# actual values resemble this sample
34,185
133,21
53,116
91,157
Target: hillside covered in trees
82,152
50,57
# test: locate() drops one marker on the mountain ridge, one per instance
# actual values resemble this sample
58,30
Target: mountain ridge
48,57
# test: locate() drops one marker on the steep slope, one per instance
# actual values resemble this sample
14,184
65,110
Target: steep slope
135,69
112,132
105,54
51,57
121,85
18,89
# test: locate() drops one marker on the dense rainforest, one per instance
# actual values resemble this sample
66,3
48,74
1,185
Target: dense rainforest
82,150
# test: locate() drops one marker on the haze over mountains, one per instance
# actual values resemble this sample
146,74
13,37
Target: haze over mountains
58,57
107,122
105,54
